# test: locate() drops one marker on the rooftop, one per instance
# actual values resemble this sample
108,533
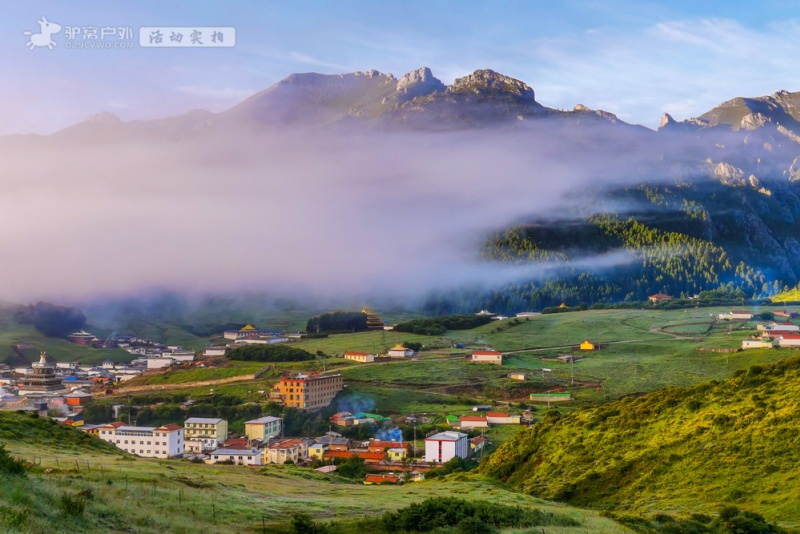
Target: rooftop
203,421
447,436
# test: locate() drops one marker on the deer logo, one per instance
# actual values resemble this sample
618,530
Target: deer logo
43,38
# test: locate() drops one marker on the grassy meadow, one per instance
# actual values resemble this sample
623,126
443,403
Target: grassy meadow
127,494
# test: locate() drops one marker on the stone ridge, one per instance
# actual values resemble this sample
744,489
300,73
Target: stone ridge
487,81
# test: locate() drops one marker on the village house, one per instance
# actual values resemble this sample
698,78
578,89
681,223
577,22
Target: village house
736,315
152,442
288,450
263,428
343,419
360,357
779,327
500,418
317,451
399,351
306,391
477,444
756,344
487,356
335,442
368,457
659,298
200,445
236,456
444,446
789,340
396,454
393,450
474,421
78,398
82,338
372,480
215,351
518,376
206,427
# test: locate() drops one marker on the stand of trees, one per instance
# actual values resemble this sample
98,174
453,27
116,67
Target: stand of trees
50,319
437,326
269,353
337,322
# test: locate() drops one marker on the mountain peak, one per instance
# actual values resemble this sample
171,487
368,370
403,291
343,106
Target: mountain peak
419,81
488,82
666,120
103,117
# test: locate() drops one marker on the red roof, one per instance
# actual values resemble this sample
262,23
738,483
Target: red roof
288,444
170,428
496,414
787,323
473,418
114,425
659,296
354,353
486,353
387,445
236,443
790,336
477,440
741,311
382,479
361,454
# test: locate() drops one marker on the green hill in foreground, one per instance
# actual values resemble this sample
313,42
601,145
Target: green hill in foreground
77,483
678,450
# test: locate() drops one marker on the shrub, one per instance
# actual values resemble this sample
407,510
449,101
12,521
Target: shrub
10,465
303,524
72,505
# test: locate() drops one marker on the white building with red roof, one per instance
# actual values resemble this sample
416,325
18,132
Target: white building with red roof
487,356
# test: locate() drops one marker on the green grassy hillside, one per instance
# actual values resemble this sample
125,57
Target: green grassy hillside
122,493
676,450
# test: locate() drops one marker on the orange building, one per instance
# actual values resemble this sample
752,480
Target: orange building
307,391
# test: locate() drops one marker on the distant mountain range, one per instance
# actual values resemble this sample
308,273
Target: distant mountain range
712,200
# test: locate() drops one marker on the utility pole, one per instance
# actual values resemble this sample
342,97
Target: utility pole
573,369
415,441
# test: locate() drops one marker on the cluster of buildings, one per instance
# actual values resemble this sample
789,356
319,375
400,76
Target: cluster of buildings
46,386
250,335
396,352
207,439
772,334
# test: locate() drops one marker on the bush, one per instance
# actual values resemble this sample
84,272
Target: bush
475,516
72,505
303,524
10,465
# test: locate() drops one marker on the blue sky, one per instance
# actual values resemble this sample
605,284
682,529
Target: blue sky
636,59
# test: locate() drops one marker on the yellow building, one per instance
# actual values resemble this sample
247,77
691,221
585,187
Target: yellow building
205,427
396,455
588,345
263,428
307,391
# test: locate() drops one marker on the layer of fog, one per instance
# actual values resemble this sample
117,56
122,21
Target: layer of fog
345,216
